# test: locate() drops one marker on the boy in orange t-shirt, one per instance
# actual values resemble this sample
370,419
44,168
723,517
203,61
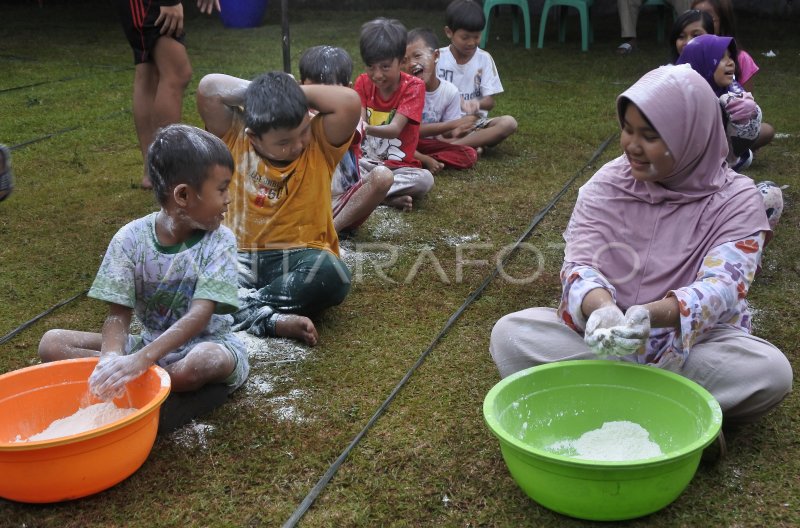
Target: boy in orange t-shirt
280,207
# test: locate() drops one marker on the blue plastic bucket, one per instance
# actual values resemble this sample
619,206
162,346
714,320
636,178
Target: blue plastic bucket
242,13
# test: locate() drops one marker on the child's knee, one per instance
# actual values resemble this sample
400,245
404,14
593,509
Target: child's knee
49,349
508,125
206,363
423,185
382,179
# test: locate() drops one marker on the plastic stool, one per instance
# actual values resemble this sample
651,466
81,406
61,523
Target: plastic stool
662,16
526,18
583,6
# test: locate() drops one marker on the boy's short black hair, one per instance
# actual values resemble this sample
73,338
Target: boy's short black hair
425,35
326,65
382,39
274,100
465,14
184,154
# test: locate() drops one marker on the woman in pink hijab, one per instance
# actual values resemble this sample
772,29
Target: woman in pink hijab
661,249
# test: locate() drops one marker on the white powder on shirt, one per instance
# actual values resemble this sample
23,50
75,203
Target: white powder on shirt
614,441
85,419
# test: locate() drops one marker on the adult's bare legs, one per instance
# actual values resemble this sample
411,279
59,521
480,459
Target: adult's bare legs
158,89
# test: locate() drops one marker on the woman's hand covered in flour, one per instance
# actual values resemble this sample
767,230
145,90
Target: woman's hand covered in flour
112,373
610,333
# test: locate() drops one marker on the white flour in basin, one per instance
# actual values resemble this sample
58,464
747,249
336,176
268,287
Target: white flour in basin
614,441
82,420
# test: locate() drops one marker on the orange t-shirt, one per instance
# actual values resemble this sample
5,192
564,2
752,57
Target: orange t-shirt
282,207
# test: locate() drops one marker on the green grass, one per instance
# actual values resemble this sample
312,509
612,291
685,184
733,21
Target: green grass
74,190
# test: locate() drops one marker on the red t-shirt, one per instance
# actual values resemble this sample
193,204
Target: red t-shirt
408,100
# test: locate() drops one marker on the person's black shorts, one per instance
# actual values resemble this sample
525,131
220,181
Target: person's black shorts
138,22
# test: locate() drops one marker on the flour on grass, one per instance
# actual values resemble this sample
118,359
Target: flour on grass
460,240
386,222
193,434
614,441
267,351
284,406
271,362
359,257
82,420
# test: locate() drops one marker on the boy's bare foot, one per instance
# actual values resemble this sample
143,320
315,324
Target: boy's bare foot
430,163
296,327
403,202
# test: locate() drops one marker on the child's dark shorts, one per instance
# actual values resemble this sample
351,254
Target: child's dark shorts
138,19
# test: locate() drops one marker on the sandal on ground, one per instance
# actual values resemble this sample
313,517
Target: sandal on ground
626,48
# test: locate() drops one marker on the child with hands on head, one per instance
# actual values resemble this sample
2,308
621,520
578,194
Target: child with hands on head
289,265
176,270
474,73
392,103
661,249
442,120
353,197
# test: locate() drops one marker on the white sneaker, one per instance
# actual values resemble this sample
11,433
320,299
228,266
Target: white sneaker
744,161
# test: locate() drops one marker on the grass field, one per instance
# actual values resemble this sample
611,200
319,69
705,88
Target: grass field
65,104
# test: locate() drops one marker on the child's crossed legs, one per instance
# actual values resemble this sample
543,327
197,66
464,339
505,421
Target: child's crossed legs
205,362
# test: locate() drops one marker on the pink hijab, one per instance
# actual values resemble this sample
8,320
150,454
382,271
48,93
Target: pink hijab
650,238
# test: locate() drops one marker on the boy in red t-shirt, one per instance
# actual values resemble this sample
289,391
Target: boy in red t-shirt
391,105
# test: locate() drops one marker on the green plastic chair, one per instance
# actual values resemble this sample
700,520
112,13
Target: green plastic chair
583,6
662,16
526,18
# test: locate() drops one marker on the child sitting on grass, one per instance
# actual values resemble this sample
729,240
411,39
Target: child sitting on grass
353,197
176,269
473,72
442,120
391,102
281,195
714,58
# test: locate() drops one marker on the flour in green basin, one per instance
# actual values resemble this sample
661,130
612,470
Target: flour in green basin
614,441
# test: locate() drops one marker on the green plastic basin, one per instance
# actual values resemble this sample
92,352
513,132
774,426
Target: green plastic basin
535,408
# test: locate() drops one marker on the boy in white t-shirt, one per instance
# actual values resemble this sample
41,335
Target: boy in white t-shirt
176,269
442,119
473,72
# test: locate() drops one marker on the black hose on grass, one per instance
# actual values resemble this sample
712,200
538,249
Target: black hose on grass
9,336
62,79
303,507
67,129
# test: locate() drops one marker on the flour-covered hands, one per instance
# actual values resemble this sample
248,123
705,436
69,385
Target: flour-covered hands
113,372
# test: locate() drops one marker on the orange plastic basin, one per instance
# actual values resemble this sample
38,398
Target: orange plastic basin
78,465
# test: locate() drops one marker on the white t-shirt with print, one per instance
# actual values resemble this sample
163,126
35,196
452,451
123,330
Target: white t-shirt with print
477,78
160,282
